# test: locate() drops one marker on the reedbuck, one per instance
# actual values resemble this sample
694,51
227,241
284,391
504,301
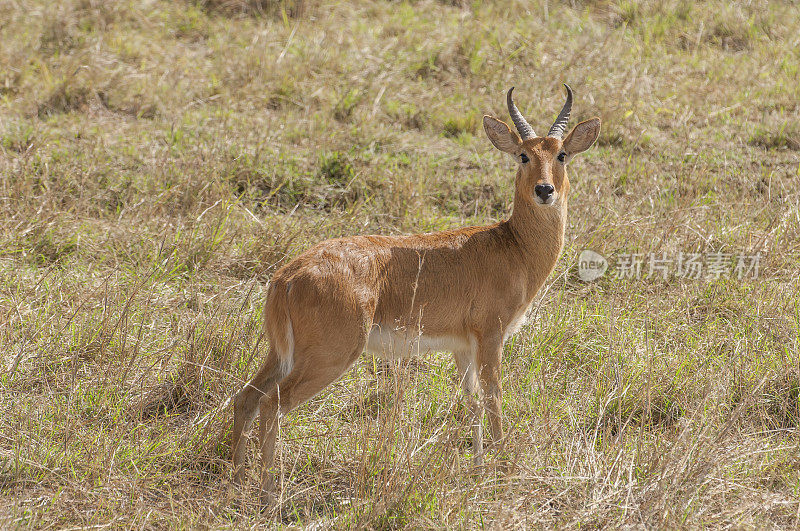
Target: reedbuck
464,291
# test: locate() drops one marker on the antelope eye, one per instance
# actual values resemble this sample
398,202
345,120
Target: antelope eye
561,157
524,158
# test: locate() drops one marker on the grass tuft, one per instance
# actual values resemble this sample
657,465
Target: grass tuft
64,98
787,136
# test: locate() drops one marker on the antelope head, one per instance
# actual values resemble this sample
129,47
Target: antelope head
541,181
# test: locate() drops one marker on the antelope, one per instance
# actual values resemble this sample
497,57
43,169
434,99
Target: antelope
465,291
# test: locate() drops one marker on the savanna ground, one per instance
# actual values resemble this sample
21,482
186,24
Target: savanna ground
161,159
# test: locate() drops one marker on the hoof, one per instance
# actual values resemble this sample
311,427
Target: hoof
267,499
477,459
267,493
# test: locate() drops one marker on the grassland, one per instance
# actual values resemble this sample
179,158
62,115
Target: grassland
159,160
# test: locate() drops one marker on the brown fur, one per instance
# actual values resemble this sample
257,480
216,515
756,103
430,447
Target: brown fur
465,288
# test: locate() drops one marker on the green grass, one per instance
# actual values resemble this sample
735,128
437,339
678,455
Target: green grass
159,161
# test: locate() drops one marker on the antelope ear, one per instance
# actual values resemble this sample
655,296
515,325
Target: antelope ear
582,136
502,136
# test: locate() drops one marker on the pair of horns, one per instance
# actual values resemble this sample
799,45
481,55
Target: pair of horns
525,129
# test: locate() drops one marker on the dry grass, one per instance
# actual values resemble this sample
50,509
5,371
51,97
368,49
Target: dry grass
160,160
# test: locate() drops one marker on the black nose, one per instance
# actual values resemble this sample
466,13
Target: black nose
544,191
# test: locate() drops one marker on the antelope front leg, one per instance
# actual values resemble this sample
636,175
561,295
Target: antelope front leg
490,353
465,361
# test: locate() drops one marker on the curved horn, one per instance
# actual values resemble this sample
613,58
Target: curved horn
557,131
524,128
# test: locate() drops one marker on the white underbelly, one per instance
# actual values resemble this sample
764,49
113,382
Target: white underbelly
518,322
388,343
